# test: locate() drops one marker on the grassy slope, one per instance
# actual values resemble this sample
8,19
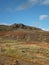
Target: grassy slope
31,52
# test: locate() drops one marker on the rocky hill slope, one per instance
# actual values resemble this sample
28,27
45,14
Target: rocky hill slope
23,32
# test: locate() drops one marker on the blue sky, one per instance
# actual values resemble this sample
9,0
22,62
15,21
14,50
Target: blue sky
29,12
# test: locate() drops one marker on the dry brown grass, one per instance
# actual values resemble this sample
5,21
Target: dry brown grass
30,52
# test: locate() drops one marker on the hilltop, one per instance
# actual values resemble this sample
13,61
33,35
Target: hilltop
17,26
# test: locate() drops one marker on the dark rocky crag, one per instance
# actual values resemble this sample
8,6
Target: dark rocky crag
16,26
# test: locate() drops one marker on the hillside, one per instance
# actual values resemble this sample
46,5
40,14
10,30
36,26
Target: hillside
23,45
23,32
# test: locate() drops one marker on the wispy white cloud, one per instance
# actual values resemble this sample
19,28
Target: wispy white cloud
27,4
23,6
43,17
31,3
45,2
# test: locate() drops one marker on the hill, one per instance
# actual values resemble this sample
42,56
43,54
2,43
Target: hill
23,45
23,32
